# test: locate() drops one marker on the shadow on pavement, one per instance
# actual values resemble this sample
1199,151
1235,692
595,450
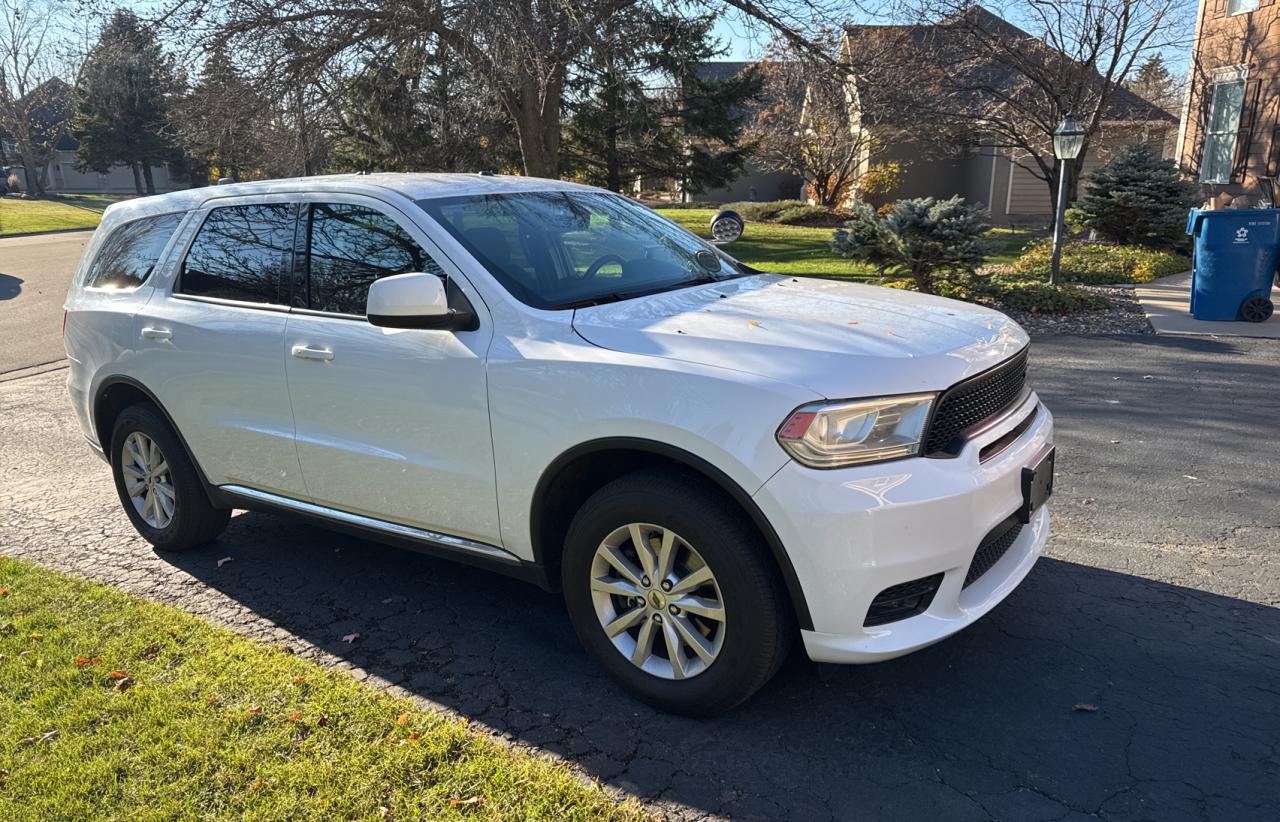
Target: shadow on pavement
1087,691
10,286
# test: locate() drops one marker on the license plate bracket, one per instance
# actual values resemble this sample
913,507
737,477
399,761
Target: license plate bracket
1037,484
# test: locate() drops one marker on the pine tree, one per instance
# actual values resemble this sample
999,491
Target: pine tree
1155,83
638,107
1138,198
123,100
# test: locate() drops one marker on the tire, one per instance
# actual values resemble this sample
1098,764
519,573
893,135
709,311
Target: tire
709,533
1256,309
188,520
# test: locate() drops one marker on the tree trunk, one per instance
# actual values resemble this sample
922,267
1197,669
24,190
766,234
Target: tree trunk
137,179
537,117
146,175
32,173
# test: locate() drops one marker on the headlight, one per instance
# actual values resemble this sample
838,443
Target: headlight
830,435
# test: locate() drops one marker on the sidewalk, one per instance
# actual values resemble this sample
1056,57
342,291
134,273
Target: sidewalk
1167,303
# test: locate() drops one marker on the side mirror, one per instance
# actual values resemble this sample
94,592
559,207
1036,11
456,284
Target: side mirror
416,301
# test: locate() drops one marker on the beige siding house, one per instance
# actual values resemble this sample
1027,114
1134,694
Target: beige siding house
1005,180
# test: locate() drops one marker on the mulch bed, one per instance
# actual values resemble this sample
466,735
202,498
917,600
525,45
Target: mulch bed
1125,316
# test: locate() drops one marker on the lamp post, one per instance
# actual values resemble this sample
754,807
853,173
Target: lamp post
1068,139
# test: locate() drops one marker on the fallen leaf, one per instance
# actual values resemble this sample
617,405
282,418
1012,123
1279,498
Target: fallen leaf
402,719
459,803
254,711
82,661
349,638
297,680
36,635
211,700
173,632
1084,706
295,716
118,675
4,592
48,736
255,784
224,561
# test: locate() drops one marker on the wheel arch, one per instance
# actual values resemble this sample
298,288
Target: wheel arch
571,477
118,392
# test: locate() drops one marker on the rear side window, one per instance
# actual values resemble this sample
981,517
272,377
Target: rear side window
349,247
242,253
131,252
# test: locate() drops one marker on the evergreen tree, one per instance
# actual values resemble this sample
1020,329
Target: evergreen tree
123,100
1137,198
1155,83
639,108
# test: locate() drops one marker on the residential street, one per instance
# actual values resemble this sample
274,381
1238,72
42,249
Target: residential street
34,273
1135,675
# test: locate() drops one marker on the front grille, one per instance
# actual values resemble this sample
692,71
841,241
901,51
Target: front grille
991,549
903,600
972,402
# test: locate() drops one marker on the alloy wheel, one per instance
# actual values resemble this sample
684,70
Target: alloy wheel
658,601
147,480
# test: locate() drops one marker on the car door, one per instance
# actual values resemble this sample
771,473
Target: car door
390,423
211,346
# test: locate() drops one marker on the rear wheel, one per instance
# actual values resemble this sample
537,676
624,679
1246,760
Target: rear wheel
158,485
673,593
1256,309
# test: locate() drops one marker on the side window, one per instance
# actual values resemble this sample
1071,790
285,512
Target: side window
349,247
131,252
242,253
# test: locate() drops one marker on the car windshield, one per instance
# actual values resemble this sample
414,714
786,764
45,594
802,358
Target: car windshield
566,249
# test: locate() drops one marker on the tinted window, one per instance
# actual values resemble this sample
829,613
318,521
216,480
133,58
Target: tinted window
350,247
558,249
241,253
131,252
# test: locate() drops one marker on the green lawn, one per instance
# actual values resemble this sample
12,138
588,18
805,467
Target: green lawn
116,708
807,251
97,202
22,216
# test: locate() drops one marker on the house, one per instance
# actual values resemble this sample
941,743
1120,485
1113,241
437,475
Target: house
1230,136
929,62
59,175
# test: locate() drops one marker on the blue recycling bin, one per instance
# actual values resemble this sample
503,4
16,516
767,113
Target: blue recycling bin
1235,260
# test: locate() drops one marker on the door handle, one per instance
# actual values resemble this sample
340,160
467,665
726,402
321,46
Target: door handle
149,333
305,352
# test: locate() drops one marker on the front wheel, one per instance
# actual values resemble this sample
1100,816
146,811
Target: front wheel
672,591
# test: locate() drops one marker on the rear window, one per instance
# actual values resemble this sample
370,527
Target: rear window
131,252
241,253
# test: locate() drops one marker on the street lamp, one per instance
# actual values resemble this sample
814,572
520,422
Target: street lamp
1068,139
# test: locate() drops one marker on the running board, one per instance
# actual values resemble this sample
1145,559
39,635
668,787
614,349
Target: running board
456,544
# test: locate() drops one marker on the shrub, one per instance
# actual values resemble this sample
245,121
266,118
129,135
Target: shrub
878,182
15,185
806,215
766,210
1099,263
1138,198
931,241
1038,297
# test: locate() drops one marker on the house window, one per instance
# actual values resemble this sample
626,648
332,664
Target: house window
1241,6
1224,122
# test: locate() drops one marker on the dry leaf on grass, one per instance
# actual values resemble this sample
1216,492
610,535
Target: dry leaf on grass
255,784
402,719
462,803
83,661
117,674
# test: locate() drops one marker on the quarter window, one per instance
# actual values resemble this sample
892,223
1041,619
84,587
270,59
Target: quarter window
131,252
242,253
1220,137
349,247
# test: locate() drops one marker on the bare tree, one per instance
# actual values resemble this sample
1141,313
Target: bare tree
31,98
523,49
1011,86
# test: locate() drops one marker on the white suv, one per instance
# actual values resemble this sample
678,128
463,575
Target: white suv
551,381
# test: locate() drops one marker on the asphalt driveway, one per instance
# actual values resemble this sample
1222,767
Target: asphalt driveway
34,273
1135,674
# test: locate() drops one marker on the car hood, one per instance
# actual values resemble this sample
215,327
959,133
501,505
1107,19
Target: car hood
836,339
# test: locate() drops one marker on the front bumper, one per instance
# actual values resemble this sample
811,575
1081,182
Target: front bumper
853,532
